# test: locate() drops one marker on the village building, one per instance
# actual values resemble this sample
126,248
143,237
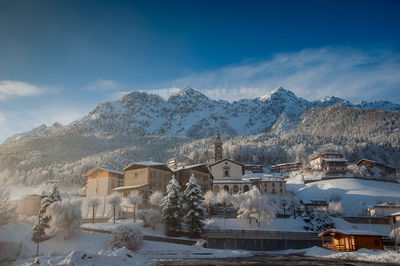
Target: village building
176,162
199,171
285,167
101,181
321,206
253,168
383,209
267,183
227,174
29,205
143,178
316,163
351,240
383,168
395,227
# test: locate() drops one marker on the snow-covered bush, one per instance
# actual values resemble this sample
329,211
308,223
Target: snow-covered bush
319,223
65,221
149,217
209,200
115,200
7,209
335,208
155,198
128,236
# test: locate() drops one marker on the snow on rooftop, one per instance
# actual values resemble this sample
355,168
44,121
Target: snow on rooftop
129,187
148,163
241,181
334,159
188,166
112,171
354,232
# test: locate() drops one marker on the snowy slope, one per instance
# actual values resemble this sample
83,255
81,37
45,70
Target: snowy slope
351,191
190,113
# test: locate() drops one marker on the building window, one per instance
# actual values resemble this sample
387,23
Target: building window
235,189
226,171
273,184
216,189
265,190
136,174
245,188
280,184
226,188
280,190
273,191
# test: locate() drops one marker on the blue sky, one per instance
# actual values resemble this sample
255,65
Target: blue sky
58,59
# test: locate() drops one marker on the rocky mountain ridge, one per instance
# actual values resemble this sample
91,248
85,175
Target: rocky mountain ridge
191,114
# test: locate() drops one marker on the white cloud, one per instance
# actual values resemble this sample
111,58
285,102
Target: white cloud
312,74
102,85
12,89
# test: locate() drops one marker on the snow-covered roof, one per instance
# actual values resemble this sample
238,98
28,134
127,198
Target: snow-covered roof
188,166
339,160
104,169
351,232
395,214
129,187
241,181
220,161
146,164
263,177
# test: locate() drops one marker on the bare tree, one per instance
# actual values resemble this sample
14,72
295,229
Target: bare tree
155,198
135,200
94,204
7,209
115,200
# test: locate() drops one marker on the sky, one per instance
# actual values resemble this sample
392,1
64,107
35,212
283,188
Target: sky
59,59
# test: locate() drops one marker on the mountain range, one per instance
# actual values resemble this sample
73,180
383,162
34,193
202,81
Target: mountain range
191,114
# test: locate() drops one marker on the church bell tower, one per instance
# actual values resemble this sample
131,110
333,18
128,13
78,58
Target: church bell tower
218,147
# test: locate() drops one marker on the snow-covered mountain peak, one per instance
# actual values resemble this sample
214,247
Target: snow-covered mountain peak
277,94
187,93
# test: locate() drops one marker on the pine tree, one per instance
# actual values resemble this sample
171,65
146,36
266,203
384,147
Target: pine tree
42,220
195,212
172,208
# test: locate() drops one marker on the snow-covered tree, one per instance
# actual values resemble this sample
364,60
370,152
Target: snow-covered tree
94,204
335,208
172,208
150,217
156,198
65,219
193,206
129,236
135,200
42,220
209,200
115,200
7,209
253,205
224,198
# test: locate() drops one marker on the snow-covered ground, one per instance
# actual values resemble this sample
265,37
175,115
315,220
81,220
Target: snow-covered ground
354,193
96,246
385,256
91,249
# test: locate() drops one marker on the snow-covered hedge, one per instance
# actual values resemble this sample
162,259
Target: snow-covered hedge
128,236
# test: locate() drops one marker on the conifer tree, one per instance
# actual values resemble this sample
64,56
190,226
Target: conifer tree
194,209
172,208
42,220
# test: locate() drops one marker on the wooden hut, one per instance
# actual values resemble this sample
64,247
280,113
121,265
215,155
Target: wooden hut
351,240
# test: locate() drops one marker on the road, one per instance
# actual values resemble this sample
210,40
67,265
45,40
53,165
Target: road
273,260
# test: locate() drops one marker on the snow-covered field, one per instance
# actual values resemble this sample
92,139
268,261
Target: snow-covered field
96,246
351,192
91,249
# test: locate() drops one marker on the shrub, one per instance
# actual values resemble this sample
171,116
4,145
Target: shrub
128,236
